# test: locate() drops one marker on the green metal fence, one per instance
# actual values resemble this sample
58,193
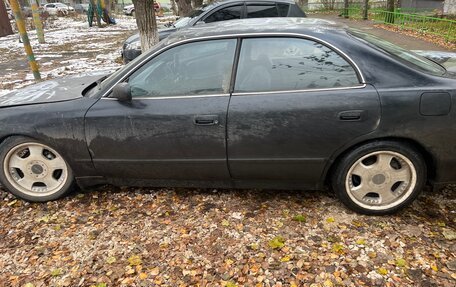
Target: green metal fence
441,27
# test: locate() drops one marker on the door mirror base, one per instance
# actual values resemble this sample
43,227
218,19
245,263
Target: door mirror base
122,92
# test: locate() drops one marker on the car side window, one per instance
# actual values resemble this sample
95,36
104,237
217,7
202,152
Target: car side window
283,64
283,9
262,10
227,13
198,68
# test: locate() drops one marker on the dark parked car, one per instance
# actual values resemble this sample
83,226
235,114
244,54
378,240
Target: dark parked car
219,11
268,103
81,8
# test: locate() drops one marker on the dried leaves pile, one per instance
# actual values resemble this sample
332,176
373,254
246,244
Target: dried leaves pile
182,237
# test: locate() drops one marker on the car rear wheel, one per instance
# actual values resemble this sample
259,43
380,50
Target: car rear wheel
379,177
34,171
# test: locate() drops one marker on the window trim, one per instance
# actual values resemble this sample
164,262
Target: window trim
239,38
174,97
361,86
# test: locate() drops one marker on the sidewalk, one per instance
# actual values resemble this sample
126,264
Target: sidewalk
405,41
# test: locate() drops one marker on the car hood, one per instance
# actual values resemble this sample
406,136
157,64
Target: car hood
50,91
162,34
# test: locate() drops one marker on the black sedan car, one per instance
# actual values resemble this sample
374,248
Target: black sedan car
290,103
219,11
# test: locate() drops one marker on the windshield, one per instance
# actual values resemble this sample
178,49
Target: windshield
182,22
409,57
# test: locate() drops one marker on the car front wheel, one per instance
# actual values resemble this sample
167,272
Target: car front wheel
33,171
379,177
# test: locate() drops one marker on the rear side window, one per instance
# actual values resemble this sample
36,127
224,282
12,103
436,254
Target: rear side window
283,64
228,13
283,9
404,55
262,10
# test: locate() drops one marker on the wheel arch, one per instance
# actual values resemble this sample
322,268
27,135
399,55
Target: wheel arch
427,156
5,137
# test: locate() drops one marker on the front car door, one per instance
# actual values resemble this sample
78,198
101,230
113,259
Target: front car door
175,125
295,102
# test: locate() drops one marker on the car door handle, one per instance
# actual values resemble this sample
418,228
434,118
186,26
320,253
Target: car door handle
208,120
354,115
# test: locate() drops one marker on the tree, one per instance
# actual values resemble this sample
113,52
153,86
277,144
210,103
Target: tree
390,14
5,25
147,24
346,4
365,9
173,7
184,7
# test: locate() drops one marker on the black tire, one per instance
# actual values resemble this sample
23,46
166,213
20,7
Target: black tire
11,185
403,155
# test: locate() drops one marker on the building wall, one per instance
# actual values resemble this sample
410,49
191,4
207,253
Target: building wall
449,7
423,4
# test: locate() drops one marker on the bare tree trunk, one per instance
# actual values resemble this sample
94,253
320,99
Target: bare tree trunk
365,8
185,7
147,24
113,6
346,8
197,3
390,5
5,25
174,7
390,8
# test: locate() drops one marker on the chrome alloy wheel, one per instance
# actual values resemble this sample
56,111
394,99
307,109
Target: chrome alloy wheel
381,180
35,169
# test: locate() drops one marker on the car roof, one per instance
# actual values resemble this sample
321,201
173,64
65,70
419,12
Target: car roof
279,25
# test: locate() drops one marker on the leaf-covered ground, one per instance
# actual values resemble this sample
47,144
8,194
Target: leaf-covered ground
184,237
113,236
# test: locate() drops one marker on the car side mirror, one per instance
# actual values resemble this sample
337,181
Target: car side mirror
200,22
122,92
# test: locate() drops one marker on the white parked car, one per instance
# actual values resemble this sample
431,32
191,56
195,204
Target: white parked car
58,9
68,7
129,9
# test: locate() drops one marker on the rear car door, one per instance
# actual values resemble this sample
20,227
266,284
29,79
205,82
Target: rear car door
175,125
295,102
